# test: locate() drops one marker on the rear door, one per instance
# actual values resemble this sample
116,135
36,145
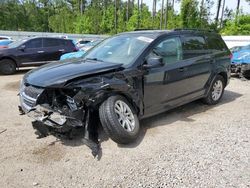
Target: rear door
199,64
32,53
53,49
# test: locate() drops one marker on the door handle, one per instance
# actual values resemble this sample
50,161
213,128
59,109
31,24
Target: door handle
40,52
61,50
182,69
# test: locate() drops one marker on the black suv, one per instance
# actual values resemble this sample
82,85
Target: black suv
125,78
33,52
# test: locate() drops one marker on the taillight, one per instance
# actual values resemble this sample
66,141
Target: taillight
231,56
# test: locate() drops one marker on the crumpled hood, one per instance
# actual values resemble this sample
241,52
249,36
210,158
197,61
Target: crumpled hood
58,73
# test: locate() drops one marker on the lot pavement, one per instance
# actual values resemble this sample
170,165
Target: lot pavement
192,146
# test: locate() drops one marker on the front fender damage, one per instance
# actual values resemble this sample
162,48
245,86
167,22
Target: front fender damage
74,108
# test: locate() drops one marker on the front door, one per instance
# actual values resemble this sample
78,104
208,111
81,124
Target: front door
166,83
31,53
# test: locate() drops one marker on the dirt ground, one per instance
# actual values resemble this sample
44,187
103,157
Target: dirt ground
192,146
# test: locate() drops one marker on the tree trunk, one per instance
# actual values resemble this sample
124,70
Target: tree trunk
162,10
217,14
166,16
201,12
115,16
237,11
141,14
222,14
138,16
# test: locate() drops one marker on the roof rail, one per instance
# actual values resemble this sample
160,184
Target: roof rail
142,29
193,29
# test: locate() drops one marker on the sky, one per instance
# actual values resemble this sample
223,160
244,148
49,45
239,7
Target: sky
231,4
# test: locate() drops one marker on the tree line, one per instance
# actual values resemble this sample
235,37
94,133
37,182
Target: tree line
114,16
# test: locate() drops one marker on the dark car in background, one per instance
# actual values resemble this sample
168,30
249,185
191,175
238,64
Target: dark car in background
33,52
125,78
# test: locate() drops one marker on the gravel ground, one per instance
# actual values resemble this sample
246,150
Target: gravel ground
192,146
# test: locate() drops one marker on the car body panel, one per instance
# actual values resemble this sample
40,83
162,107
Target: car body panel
59,73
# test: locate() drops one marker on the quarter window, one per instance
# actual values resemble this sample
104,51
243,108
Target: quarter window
215,44
193,46
169,49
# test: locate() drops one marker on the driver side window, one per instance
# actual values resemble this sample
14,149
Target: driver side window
169,50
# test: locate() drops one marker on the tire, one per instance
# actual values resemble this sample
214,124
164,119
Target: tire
7,67
213,96
113,122
246,74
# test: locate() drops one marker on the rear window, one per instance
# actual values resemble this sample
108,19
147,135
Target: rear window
215,43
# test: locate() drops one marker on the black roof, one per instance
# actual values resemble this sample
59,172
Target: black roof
174,31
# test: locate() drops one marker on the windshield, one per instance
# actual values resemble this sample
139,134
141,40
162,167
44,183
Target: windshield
121,49
17,43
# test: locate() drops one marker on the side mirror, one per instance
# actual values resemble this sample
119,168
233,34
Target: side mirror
22,47
153,62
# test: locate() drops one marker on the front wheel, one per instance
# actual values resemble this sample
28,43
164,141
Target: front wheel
119,120
216,91
7,67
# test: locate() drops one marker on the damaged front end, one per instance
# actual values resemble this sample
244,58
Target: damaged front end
55,110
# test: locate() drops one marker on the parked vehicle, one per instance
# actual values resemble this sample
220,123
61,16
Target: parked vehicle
72,55
81,52
235,49
241,61
125,78
5,43
5,38
82,42
91,44
33,52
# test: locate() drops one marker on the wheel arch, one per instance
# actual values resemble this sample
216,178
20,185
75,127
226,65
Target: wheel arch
105,95
224,75
10,58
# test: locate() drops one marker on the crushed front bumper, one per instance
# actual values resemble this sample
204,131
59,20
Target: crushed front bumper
50,118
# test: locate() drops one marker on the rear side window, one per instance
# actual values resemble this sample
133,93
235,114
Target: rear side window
51,42
193,46
33,43
216,44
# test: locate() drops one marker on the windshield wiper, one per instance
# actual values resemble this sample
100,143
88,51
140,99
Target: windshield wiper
94,59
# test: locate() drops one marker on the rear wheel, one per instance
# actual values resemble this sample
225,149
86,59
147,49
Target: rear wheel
119,120
216,91
7,66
